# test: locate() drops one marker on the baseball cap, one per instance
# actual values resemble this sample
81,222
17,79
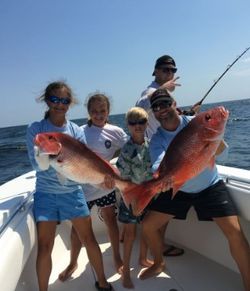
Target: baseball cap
164,60
160,95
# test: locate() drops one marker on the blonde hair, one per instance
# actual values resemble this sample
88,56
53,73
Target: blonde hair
136,113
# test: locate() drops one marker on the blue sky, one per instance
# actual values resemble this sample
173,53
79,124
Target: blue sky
112,45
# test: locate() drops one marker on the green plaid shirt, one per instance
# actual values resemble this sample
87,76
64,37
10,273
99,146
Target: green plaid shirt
134,162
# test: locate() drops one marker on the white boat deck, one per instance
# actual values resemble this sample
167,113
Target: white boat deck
208,268
189,272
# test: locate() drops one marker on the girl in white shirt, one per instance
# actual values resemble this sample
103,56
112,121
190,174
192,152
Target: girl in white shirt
106,140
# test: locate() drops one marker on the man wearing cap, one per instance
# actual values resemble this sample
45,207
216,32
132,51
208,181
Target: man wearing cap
164,71
206,192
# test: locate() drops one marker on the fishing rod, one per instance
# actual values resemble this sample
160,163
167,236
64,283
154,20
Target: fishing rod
210,89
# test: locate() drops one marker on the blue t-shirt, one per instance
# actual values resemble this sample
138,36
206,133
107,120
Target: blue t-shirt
158,146
47,181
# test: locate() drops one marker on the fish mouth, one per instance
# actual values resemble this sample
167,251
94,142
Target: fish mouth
224,112
47,144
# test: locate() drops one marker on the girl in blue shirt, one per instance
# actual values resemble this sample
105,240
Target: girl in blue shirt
53,201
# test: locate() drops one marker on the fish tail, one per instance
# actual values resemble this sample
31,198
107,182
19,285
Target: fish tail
139,196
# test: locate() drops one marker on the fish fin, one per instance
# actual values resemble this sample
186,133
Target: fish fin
62,179
139,196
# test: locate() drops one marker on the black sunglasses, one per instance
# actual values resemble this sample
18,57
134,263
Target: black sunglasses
169,70
161,105
57,100
139,122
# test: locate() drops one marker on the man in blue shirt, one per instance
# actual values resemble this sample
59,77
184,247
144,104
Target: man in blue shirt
206,192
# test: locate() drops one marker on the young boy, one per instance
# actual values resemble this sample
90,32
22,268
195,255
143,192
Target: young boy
134,164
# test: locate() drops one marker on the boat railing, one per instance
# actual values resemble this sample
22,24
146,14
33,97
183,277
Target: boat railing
26,203
235,177
239,182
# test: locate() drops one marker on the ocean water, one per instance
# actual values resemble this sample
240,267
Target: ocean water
14,159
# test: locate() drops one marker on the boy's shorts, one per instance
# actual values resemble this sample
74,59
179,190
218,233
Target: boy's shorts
213,202
58,207
107,200
126,215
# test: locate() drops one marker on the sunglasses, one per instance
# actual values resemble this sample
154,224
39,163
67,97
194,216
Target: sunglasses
169,70
161,105
139,122
57,100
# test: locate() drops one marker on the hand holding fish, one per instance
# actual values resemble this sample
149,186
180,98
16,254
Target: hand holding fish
108,183
41,159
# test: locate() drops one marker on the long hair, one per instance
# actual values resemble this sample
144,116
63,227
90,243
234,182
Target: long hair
49,91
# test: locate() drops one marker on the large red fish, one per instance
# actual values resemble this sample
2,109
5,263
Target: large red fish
191,151
75,161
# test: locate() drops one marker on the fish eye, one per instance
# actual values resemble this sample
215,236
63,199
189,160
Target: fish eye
207,117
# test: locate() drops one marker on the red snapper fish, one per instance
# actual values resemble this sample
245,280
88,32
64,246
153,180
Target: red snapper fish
75,161
191,151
